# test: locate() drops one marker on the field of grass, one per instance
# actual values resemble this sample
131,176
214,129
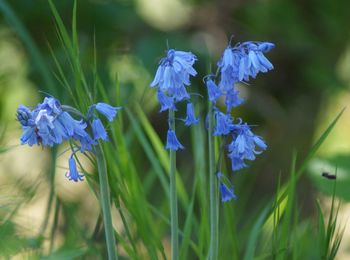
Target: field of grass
139,200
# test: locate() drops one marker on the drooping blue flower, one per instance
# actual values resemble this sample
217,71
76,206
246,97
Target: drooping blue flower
51,105
73,174
165,101
24,116
227,193
190,117
107,110
98,130
232,99
214,91
223,123
242,61
244,146
49,124
253,63
237,163
172,141
174,70
229,65
260,46
179,93
44,124
29,136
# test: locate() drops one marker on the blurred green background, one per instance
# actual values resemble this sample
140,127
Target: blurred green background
291,105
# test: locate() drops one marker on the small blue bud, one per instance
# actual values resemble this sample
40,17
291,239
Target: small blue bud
107,110
190,118
172,142
73,174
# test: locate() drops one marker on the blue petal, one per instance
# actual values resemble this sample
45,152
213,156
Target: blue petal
226,188
223,123
98,130
266,46
172,142
174,72
24,116
179,93
107,110
232,99
165,101
214,91
190,118
29,136
73,174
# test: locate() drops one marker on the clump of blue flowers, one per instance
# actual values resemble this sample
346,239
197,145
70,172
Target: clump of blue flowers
238,63
171,81
50,123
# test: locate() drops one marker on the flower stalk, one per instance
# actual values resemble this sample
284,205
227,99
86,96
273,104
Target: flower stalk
173,194
213,194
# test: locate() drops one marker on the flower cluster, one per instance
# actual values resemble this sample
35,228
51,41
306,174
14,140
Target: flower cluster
237,64
171,79
49,123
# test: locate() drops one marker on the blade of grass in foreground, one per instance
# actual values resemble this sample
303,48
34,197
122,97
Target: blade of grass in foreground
106,204
253,237
161,153
282,195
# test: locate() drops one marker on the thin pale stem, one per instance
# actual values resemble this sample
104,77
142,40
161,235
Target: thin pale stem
214,209
173,195
106,204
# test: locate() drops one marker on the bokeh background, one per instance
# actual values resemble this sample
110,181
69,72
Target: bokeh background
291,105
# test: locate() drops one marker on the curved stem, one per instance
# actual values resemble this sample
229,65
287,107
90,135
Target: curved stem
173,195
105,203
214,210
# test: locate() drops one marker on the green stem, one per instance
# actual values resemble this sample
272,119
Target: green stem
52,174
214,210
106,204
173,195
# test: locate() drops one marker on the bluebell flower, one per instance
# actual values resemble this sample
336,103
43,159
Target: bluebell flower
44,124
261,46
107,110
190,117
174,70
242,61
244,146
73,174
24,116
227,193
214,91
47,124
29,136
232,99
165,101
229,65
252,64
179,93
98,130
172,142
223,123
51,105
237,163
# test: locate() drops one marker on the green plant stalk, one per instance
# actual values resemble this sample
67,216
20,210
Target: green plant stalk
106,204
173,195
214,209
